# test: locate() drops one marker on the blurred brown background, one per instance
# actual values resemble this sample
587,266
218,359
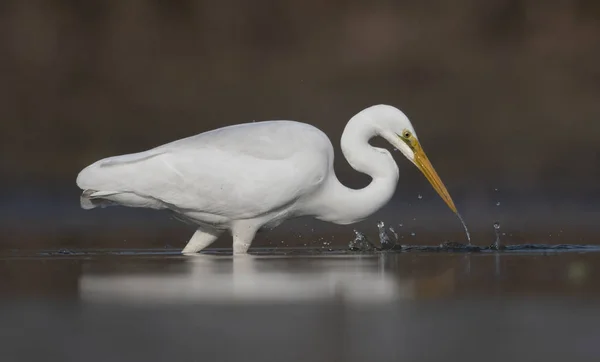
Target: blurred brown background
503,93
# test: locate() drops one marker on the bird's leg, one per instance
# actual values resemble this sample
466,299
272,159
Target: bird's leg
200,240
243,233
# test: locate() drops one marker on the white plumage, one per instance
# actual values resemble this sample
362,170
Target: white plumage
250,176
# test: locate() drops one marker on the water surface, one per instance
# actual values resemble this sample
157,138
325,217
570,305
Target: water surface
300,304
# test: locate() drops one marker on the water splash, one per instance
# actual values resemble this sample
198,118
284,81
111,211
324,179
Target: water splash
496,245
360,242
497,202
384,239
465,227
393,232
419,196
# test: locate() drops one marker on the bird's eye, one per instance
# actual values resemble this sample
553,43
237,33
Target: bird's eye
406,134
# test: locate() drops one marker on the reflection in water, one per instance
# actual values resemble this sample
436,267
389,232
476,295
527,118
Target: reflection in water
372,278
353,307
362,279
253,279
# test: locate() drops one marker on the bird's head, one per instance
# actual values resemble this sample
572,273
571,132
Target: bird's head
396,128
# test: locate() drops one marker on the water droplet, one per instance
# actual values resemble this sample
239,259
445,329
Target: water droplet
464,227
384,239
413,234
497,232
394,232
498,203
400,225
419,196
360,242
414,218
496,190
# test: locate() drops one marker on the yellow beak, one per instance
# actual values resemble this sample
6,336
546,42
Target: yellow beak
422,162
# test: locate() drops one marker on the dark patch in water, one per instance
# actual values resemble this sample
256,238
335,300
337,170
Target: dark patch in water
446,246
65,252
266,251
362,246
451,246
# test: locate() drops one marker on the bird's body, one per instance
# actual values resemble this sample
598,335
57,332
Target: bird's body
250,176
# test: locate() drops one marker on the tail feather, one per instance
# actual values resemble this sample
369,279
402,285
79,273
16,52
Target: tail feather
89,201
112,181
111,173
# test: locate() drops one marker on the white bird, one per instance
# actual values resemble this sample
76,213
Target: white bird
251,176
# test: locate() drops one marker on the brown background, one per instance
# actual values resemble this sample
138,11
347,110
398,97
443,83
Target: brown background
503,93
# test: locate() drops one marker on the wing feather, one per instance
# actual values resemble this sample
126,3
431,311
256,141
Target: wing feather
238,172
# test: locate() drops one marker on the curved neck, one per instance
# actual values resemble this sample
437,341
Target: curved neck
342,205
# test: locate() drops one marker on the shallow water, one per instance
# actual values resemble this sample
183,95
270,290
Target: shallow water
290,304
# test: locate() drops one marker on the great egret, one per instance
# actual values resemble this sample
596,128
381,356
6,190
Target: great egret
251,176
